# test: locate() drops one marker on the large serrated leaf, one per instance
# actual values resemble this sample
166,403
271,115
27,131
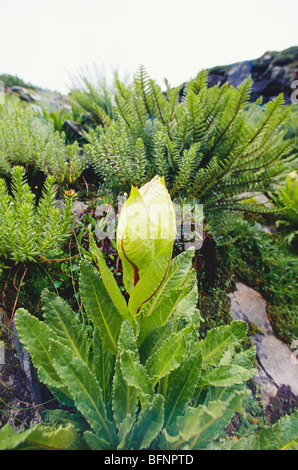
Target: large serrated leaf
64,417
201,425
9,439
167,358
226,376
133,372
176,276
154,340
125,398
35,336
161,313
181,385
40,437
135,375
148,425
171,296
99,307
95,442
69,330
84,389
103,364
219,340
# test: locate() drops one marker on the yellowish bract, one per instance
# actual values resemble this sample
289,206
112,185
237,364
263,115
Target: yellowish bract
146,225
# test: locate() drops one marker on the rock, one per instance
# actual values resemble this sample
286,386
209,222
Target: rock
248,305
26,364
239,72
272,74
24,94
275,358
276,365
74,131
17,405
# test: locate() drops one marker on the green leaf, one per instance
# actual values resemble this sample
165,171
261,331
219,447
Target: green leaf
178,271
226,376
135,375
219,340
154,340
181,386
99,307
175,278
124,432
40,437
151,280
185,310
199,426
281,436
160,308
84,389
9,439
68,328
61,438
167,358
103,366
162,312
125,398
95,442
110,282
133,372
148,425
58,416
36,335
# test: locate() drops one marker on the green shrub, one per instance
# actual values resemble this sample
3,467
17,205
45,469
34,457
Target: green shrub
27,139
27,229
211,144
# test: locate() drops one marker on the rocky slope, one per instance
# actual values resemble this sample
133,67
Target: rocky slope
273,73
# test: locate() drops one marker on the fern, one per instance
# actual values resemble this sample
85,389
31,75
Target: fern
211,144
93,99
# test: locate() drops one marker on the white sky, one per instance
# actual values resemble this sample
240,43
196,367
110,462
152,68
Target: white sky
45,42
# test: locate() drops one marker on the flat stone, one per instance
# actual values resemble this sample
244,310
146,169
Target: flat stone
277,364
248,305
276,359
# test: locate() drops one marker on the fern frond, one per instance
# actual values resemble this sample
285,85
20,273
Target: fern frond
142,87
196,118
140,162
186,169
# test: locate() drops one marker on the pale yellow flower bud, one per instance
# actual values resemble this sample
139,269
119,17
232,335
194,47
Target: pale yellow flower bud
146,225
